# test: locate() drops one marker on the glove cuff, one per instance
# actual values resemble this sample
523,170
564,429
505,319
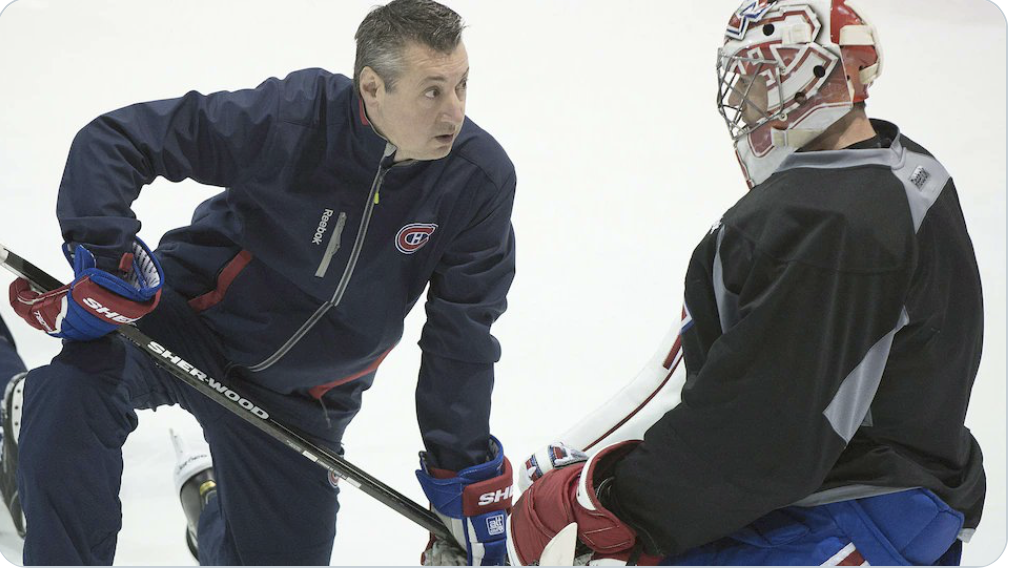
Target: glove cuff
474,504
610,533
473,491
598,469
139,279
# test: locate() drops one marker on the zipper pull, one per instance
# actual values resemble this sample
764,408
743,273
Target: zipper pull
385,164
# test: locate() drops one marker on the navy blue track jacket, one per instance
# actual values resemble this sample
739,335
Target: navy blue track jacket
307,263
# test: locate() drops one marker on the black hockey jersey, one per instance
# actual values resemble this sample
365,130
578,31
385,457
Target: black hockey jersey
836,333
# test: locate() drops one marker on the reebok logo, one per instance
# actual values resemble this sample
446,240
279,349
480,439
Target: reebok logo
495,496
102,310
321,230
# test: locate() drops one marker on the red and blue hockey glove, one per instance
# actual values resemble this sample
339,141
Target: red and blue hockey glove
474,503
96,302
571,494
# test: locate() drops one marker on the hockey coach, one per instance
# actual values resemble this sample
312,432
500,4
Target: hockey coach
343,198
832,334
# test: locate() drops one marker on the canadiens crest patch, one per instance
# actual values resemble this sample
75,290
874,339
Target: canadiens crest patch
414,236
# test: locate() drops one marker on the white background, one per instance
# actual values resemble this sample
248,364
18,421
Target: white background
606,108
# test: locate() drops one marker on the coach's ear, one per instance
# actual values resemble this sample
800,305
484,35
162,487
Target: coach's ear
373,89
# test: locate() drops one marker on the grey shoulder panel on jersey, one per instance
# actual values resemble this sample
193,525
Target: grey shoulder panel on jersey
850,406
727,302
924,179
922,176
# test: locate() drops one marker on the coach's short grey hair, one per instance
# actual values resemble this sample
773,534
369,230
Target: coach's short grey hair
386,31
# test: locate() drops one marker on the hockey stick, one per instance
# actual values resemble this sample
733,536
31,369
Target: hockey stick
560,551
246,410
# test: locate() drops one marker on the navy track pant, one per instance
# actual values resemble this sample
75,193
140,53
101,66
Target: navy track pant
10,362
273,507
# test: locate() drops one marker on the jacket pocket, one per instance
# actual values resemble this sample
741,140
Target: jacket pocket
228,274
333,246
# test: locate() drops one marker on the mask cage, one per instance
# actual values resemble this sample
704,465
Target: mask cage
737,75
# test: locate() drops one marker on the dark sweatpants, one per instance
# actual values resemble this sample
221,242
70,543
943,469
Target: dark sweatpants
272,507
10,362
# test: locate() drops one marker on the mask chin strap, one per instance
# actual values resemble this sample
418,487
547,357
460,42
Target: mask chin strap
794,137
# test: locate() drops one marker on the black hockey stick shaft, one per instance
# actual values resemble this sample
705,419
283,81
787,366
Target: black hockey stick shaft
248,411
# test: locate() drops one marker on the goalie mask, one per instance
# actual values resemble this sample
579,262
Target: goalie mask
789,70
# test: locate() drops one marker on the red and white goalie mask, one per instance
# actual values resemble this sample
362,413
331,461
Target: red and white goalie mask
790,69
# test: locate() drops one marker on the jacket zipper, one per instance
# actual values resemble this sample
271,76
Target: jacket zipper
359,242
333,246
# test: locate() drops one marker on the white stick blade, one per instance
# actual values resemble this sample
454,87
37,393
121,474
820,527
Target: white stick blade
560,551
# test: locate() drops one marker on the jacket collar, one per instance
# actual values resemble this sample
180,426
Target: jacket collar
362,127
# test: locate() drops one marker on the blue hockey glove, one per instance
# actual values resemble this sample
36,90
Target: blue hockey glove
96,302
474,504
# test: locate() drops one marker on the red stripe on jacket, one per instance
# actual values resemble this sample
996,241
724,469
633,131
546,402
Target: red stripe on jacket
224,280
317,392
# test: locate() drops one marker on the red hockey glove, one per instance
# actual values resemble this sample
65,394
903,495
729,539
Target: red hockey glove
96,302
569,495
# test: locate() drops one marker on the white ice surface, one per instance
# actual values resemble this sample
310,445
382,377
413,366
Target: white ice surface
606,108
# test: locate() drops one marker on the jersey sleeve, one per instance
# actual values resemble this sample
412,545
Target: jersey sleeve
466,295
213,139
795,352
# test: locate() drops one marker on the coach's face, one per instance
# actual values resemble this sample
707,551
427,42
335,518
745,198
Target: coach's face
423,111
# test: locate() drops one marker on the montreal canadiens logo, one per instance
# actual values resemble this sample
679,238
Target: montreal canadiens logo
413,237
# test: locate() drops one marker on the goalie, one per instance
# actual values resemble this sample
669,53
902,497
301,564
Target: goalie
831,336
